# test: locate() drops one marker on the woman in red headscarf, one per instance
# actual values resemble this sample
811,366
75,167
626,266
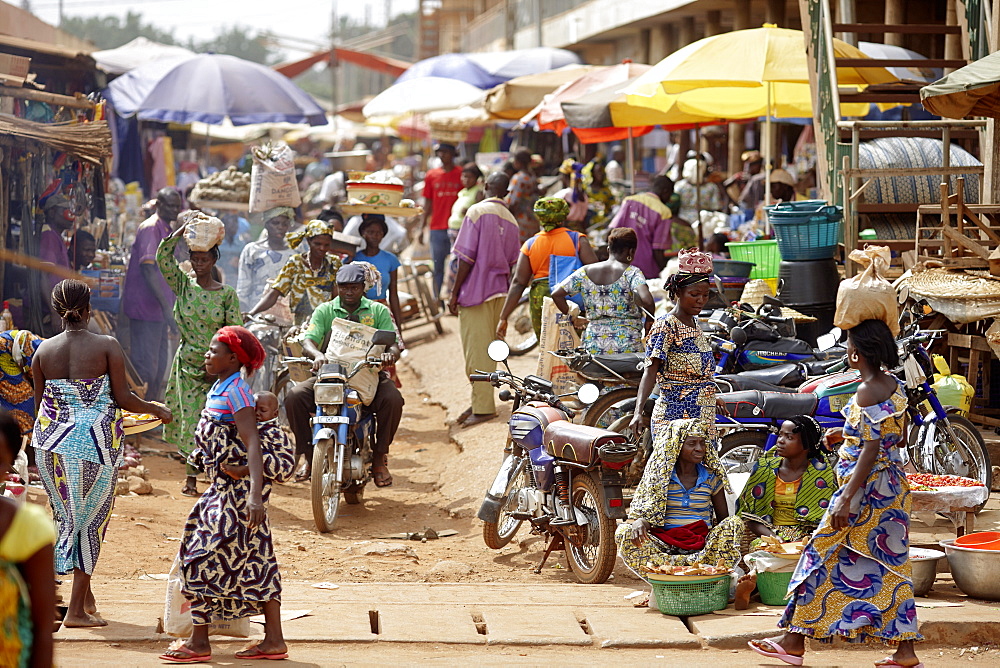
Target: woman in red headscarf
227,561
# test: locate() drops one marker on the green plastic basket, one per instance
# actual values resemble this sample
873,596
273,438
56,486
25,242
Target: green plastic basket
772,587
686,599
764,254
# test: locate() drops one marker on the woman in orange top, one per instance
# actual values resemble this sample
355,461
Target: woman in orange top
533,263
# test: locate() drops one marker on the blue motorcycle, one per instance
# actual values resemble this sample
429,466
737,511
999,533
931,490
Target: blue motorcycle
343,436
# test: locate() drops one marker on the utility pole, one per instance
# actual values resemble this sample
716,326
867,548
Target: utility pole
334,34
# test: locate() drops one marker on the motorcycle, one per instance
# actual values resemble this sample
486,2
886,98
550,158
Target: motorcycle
343,437
938,441
565,479
609,372
273,376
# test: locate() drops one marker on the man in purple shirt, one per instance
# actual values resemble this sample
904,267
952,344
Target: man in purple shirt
648,214
147,299
486,248
59,218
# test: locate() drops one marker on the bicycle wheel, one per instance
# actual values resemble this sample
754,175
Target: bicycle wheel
520,334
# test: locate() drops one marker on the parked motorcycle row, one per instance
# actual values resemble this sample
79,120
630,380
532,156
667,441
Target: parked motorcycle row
569,470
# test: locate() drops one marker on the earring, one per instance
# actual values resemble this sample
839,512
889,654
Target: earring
854,357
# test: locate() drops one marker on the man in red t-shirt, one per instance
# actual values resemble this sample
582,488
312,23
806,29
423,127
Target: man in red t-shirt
441,186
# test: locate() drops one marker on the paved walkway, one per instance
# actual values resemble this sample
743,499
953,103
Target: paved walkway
508,615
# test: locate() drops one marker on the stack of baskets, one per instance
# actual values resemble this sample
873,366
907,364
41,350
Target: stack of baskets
807,236
763,254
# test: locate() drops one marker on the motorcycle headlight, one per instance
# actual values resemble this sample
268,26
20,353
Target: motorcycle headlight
332,393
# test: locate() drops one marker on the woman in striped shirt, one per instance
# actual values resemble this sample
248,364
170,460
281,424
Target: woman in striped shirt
671,518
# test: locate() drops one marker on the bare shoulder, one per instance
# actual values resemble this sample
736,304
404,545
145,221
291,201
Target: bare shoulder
876,390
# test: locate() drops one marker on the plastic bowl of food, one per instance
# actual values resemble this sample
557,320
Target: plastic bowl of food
375,194
982,540
974,570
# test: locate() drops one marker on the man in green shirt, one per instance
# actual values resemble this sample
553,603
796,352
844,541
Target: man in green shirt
351,304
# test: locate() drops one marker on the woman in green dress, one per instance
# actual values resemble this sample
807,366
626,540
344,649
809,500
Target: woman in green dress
204,305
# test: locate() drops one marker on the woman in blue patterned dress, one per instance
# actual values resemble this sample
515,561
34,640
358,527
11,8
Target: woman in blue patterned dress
228,566
614,297
80,389
679,358
853,579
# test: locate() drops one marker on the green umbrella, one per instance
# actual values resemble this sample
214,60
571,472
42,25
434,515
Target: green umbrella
973,90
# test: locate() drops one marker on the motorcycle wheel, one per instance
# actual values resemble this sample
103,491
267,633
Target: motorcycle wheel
968,457
324,487
591,552
603,412
520,334
498,534
739,450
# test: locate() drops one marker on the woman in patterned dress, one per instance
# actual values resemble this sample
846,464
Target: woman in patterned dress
614,297
307,278
17,348
682,487
80,389
203,306
228,566
598,191
853,579
679,358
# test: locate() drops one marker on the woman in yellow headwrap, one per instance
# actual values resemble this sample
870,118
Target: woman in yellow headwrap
307,278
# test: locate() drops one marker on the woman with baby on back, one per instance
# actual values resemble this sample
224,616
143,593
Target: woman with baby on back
228,566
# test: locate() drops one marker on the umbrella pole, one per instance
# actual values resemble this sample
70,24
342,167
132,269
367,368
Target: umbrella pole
630,156
767,162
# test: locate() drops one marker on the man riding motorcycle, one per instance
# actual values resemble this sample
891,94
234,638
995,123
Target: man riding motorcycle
352,283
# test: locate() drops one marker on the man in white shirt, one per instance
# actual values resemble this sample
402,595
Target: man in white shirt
615,170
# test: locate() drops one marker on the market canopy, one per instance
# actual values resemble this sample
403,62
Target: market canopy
522,62
422,95
973,90
211,88
458,66
512,100
136,53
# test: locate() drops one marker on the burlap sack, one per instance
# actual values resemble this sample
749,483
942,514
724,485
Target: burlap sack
203,232
868,296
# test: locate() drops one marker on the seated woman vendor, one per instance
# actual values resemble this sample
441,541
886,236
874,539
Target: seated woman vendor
671,515
791,485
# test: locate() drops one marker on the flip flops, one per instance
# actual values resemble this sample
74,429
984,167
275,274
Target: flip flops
777,651
889,661
253,654
190,656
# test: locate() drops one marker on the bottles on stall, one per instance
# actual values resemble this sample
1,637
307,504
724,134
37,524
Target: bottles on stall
6,319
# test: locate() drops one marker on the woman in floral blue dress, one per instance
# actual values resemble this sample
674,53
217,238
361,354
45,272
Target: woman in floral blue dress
614,297
853,579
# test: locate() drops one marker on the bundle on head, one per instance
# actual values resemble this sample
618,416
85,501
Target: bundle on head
70,299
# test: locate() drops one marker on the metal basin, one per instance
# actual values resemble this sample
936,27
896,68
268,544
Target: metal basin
974,570
924,564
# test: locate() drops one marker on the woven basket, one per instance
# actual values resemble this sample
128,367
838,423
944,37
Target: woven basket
772,587
953,284
696,598
754,292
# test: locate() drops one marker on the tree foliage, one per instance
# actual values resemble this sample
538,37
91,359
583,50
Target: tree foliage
109,32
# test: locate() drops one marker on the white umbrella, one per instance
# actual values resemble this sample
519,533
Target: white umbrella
137,52
420,96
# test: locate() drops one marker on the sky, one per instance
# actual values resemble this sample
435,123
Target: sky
307,20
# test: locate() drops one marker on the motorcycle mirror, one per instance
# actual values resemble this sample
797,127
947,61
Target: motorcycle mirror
738,335
588,393
498,350
903,293
384,337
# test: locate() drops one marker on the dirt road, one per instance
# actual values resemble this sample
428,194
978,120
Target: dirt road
438,484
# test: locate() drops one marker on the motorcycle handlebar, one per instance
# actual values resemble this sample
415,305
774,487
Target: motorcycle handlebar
561,406
480,377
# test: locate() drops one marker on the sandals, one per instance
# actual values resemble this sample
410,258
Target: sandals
251,653
776,651
303,473
190,656
889,661
188,490
380,473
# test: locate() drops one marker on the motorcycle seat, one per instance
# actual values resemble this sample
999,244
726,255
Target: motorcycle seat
596,367
785,375
741,381
775,405
783,345
578,443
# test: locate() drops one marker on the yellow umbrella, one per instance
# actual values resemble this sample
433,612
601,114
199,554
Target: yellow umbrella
746,74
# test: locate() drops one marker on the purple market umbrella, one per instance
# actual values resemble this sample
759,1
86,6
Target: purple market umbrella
211,87
452,66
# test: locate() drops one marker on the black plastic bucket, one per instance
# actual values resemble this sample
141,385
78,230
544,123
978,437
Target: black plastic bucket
809,281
